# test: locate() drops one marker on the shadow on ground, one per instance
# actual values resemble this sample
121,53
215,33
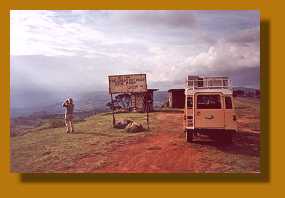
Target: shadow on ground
244,143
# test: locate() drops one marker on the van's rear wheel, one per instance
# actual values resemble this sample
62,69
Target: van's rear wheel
226,137
229,137
189,136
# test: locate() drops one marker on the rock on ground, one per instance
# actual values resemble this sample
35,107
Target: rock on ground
122,124
134,127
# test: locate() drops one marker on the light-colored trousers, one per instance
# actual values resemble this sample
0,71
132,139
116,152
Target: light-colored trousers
69,122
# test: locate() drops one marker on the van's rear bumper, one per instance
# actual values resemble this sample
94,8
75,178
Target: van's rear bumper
210,131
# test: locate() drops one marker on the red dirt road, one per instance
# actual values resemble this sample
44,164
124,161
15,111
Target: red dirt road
165,150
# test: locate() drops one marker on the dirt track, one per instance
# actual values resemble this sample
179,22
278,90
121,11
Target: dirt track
166,150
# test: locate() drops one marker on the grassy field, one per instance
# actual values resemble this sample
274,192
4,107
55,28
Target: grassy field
47,149
248,112
43,149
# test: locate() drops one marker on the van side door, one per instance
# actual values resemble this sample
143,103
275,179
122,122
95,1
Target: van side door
230,116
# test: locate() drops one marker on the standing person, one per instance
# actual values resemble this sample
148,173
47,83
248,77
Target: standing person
69,107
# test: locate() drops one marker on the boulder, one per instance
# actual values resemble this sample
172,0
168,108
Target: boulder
134,127
122,124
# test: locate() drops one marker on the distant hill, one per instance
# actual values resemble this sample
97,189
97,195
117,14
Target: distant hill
96,102
247,89
92,101
160,97
246,92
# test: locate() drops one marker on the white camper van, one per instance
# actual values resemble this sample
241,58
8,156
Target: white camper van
209,108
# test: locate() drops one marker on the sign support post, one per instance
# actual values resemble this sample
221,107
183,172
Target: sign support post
113,110
147,116
146,108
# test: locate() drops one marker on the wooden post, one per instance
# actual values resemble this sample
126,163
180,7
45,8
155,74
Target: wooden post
147,117
113,112
147,108
135,108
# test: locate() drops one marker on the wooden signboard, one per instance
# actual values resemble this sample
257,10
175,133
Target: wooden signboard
132,83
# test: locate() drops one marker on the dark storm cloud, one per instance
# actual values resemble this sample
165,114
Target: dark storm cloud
227,21
244,77
251,35
171,19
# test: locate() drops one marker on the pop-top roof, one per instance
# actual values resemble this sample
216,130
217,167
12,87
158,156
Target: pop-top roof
208,82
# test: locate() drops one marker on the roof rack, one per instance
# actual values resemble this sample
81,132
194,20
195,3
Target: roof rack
196,82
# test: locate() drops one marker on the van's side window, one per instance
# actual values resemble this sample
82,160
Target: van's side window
228,101
209,102
189,102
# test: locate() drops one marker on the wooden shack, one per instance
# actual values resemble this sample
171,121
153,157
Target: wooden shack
139,100
176,98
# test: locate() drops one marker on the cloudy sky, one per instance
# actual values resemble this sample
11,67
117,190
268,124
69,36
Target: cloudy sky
77,50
